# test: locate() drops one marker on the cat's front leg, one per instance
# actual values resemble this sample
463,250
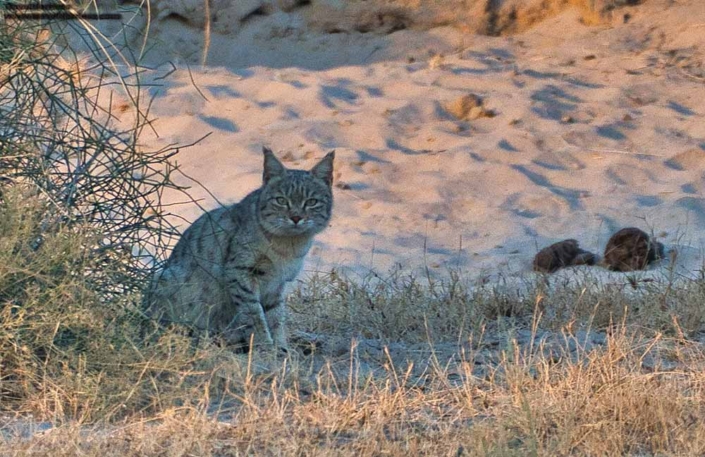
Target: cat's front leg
275,311
276,317
246,301
259,327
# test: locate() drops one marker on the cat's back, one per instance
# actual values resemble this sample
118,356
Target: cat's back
208,240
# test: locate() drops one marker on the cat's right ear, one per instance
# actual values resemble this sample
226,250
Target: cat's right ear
273,168
324,169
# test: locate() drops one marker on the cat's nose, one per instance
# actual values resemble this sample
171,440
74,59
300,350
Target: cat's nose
295,219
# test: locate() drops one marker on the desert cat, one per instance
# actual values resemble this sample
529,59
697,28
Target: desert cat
226,275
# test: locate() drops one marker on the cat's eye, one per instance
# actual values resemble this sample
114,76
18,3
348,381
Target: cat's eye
310,202
281,201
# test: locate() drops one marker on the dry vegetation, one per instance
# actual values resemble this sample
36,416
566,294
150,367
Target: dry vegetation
490,392
388,365
486,17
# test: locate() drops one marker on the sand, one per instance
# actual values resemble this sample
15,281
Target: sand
583,129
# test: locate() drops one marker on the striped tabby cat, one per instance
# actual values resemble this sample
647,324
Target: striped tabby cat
226,275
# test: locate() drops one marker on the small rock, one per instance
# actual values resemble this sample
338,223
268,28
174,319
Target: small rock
436,61
476,112
584,258
563,254
468,107
654,363
631,249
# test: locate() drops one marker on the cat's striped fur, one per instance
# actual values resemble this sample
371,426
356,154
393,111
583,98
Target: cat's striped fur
227,273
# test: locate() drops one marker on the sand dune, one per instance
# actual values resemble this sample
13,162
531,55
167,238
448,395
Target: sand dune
592,128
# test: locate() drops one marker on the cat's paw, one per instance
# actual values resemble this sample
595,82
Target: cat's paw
306,342
281,345
282,351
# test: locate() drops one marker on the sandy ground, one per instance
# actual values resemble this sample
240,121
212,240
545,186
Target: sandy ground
590,129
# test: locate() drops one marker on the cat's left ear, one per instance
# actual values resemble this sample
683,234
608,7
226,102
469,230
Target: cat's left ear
272,166
324,169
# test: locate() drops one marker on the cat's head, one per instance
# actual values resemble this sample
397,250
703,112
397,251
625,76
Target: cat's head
295,202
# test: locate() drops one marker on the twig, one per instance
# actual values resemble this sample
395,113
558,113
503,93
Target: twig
198,89
206,32
690,75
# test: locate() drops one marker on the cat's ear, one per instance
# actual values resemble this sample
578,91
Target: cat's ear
273,168
324,169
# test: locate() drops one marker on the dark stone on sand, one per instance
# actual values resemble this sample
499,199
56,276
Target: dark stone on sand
563,254
631,249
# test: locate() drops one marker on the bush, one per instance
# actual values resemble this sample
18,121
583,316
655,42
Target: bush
81,231
58,137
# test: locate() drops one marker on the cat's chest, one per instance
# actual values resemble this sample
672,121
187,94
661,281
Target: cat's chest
279,272
281,267
288,270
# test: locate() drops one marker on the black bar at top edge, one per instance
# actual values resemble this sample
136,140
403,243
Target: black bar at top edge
34,6
64,15
35,11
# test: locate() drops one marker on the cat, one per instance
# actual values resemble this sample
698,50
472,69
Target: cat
226,275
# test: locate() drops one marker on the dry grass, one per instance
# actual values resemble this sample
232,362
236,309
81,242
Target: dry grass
602,403
66,351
